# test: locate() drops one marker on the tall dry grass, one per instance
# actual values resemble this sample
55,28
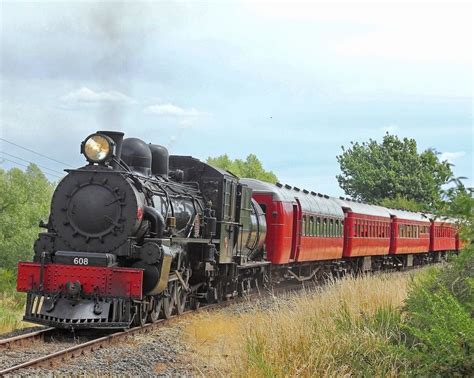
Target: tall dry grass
12,307
345,328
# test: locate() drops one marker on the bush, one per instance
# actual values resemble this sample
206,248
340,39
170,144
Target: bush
438,325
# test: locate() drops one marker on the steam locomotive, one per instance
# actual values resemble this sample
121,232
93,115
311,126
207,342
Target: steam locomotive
137,234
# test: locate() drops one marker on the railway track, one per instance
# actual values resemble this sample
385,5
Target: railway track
50,360
25,338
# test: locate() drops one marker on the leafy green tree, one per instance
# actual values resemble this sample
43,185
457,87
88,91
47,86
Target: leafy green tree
393,169
251,167
401,203
458,203
24,200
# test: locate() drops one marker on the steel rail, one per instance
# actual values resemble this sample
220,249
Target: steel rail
9,342
90,346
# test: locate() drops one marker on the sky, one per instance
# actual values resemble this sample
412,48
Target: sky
289,81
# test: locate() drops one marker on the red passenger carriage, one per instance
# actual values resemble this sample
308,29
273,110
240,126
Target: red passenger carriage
410,232
443,235
301,226
366,229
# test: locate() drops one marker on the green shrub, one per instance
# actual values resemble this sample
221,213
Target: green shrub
438,325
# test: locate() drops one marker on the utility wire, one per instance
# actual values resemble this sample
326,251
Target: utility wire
37,153
24,165
27,161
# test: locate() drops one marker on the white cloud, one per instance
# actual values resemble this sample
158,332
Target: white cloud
451,156
170,110
86,96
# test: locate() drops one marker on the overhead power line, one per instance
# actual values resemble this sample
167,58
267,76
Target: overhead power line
37,153
24,165
27,161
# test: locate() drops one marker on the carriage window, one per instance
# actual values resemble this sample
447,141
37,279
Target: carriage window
325,227
264,207
311,226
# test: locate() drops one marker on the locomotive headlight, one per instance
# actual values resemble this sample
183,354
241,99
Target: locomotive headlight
97,148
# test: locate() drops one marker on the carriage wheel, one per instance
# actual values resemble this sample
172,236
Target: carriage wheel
156,305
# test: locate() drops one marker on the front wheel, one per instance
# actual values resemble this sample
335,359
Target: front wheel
169,301
156,305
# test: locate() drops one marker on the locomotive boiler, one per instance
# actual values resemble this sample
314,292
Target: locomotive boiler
136,234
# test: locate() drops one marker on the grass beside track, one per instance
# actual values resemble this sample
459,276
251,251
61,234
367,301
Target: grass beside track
12,307
344,328
12,304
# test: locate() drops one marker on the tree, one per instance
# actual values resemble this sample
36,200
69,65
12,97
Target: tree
458,203
24,199
392,170
251,167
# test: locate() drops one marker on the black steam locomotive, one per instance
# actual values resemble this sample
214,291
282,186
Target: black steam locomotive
137,234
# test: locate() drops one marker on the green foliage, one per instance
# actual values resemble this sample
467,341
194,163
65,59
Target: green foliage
401,203
251,167
458,203
11,303
374,172
24,200
7,281
439,327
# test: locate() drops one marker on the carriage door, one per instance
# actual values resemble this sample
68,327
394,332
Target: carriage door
296,232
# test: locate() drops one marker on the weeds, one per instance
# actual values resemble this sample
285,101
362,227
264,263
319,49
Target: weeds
345,328
408,324
439,325
12,304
